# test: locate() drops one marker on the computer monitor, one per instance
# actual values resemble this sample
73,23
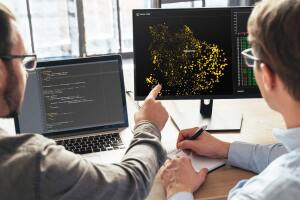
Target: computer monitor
194,53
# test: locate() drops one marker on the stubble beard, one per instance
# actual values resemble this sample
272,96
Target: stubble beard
11,92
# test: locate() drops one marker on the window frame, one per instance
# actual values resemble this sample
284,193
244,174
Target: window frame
82,40
160,2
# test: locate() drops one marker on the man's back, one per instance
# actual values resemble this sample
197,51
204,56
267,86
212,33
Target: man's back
280,180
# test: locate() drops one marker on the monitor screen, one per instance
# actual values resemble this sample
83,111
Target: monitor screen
194,53
74,95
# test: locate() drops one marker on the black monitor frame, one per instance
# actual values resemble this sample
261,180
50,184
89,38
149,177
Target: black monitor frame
61,62
167,12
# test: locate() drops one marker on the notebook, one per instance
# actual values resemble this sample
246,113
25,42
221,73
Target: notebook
80,103
198,162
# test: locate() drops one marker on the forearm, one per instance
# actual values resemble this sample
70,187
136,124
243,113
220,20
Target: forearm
254,157
143,158
133,177
146,136
68,176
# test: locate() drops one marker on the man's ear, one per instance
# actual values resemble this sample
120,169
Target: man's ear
268,77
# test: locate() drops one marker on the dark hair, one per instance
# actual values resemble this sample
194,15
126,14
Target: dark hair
274,33
6,18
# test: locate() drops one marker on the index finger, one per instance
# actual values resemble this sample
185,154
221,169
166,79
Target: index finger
186,133
154,92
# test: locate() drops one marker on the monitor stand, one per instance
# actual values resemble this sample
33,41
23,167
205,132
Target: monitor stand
219,121
185,114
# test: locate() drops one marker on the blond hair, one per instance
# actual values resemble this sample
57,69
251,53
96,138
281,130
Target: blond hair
274,33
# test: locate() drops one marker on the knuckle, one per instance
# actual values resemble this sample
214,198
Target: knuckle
202,178
172,163
185,159
166,115
180,159
167,162
163,175
149,101
161,106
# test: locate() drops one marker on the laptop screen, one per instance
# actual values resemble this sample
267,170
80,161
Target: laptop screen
66,96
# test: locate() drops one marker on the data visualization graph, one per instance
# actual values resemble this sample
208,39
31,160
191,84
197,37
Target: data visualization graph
182,62
245,78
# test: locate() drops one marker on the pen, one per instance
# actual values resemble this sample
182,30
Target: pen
197,133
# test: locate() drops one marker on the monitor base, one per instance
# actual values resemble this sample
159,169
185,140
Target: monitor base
185,114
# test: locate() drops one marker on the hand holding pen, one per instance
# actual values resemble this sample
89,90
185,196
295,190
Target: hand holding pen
202,143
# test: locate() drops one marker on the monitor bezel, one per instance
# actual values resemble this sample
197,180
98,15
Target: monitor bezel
191,97
58,62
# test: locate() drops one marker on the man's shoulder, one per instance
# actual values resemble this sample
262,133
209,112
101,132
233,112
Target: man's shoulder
289,163
285,169
24,143
290,160
280,180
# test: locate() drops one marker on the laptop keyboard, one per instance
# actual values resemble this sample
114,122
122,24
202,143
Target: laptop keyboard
90,144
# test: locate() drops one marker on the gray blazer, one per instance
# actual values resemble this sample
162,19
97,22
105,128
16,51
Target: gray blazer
34,167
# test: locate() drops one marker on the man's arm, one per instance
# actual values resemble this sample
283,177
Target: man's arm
254,157
65,175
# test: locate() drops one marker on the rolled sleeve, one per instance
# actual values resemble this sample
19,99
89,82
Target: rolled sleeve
147,126
254,157
239,154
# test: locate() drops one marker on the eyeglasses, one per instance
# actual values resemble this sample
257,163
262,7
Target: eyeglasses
249,57
29,61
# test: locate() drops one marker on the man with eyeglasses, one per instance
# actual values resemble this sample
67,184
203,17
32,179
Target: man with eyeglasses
34,167
274,33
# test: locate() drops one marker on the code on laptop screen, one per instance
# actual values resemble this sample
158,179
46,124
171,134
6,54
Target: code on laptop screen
68,97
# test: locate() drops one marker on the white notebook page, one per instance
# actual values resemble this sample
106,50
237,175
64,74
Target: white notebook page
198,162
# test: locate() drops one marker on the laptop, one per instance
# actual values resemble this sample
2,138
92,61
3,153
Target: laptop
81,104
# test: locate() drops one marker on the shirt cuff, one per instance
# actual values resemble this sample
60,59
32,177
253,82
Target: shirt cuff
182,196
141,125
239,154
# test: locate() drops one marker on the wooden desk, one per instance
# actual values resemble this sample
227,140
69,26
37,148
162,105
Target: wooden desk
219,183
258,122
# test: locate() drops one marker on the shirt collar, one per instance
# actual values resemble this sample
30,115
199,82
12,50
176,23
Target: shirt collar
290,138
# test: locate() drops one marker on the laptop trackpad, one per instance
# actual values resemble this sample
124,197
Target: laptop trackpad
105,157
